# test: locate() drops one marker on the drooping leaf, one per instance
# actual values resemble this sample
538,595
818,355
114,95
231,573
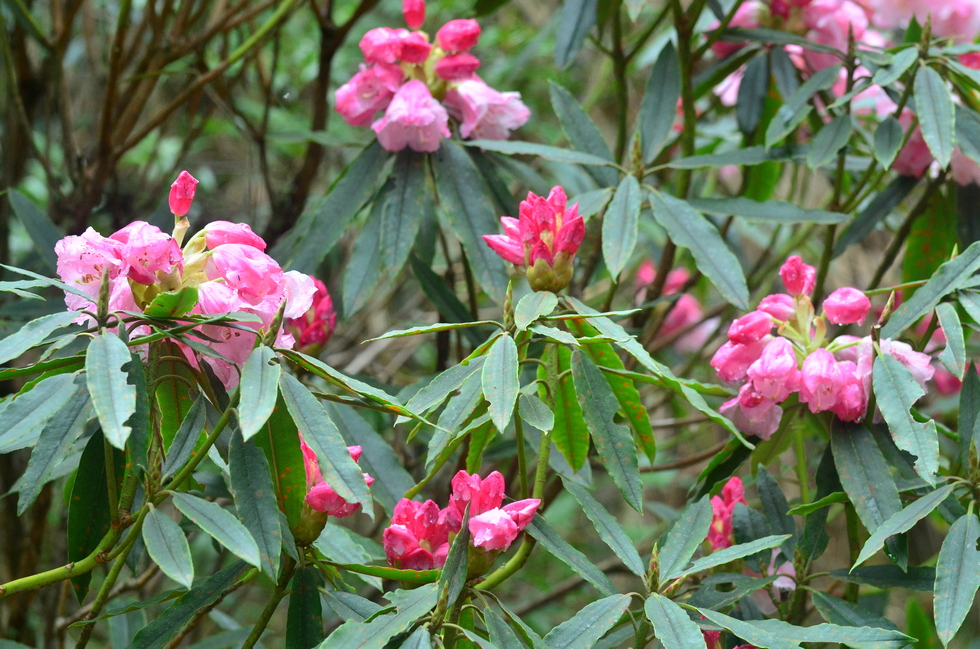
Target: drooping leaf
752,633
726,555
552,541
957,577
33,333
39,227
969,416
844,613
532,306
575,22
658,109
609,529
794,111
903,521
752,93
558,154
501,381
579,128
684,538
220,524
255,500
462,408
829,140
113,397
376,633
776,510
897,393
279,441
584,628
936,112
889,576
364,268
167,546
671,624
304,617
404,201
260,388
619,226
453,576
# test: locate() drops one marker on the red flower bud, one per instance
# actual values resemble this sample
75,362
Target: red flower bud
182,193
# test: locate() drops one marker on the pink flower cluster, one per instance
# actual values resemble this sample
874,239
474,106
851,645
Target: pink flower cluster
225,261
419,85
543,241
686,312
420,533
826,374
319,495
721,534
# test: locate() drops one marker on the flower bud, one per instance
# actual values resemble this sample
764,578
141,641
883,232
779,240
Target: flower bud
779,305
821,381
458,35
798,277
415,48
414,12
456,67
775,374
383,45
493,530
732,359
182,193
750,328
846,306
219,232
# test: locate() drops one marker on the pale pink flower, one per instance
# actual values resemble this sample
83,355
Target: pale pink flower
750,328
775,375
830,23
798,277
645,274
145,250
82,260
458,35
732,360
485,113
915,157
253,274
413,119
956,19
522,511
945,381
182,193
779,305
367,92
721,534
414,12
852,399
727,90
891,14
319,495
217,233
846,305
821,381
917,363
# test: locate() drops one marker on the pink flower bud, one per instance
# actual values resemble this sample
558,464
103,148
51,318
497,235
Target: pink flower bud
457,67
753,413
846,306
314,327
414,12
721,534
480,494
750,328
415,48
775,374
182,193
779,305
493,530
458,35
732,360
320,496
852,401
219,232
915,157
798,277
645,274
383,45
414,119
522,511
821,381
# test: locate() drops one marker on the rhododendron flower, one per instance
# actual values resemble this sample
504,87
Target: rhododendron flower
457,67
821,381
852,398
383,45
313,328
753,413
798,277
746,16
919,364
721,534
458,35
915,157
145,250
252,273
367,92
750,328
831,22
965,170
418,537
732,360
956,19
182,193
319,495
492,527
485,113
775,374
413,119
543,241
217,233
779,305
415,48
846,306
414,12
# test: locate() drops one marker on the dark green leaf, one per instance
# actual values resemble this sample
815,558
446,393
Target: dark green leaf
255,500
769,211
610,531
968,132
591,203
752,93
684,538
260,385
304,618
23,418
585,628
784,72
794,111
829,140
750,632
364,268
500,632
936,111
167,546
349,606
279,441
619,226
691,230
957,577
173,304
558,154
726,555
376,633
749,156
462,408
776,37
776,509
897,393
33,333
404,200
776,634
421,638
954,356
575,22
579,128
672,625
888,139
613,441
428,329
501,381
658,110
39,227
969,418
220,524
889,576
832,499
844,613
880,207
556,545
187,437
903,521
536,412
444,298
454,572
113,397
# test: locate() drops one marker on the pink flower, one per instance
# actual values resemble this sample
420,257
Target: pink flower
798,277
965,169
753,413
775,374
915,157
956,19
315,326
145,250
686,313
945,381
493,530
418,538
543,241
383,45
721,534
846,306
732,360
367,92
779,305
971,60
917,363
413,119
522,511
217,233
645,274
182,193
831,22
82,260
319,495
414,12
485,113
458,35
711,639
750,328
821,381
746,16
481,494
415,48
456,67
852,400
253,274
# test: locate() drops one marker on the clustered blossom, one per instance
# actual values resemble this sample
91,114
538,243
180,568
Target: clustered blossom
225,261
543,241
827,374
420,533
721,534
686,312
419,85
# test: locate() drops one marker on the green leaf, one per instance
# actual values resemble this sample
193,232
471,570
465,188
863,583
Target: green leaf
444,298
968,132
897,393
658,110
808,508
162,630
613,441
575,22
349,606
39,227
887,142
619,226
88,506
691,230
736,585
187,437
746,157
304,618
684,538
957,577
969,416
112,395
23,418
279,441
932,239
56,439
936,111
471,214
558,154
887,576
220,524
454,572
726,555
536,412
501,634
532,306
174,395
776,634
829,140
321,226
752,633
752,93
33,333
403,202
260,385
421,638
865,476
462,408
769,211
579,128
954,356
338,468
364,268
501,381
784,72
591,203
255,500
776,509
610,531
434,328
672,625
172,304
844,613
376,633
795,110
444,384
879,207
901,62
585,628
570,434
556,545
903,521
167,546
